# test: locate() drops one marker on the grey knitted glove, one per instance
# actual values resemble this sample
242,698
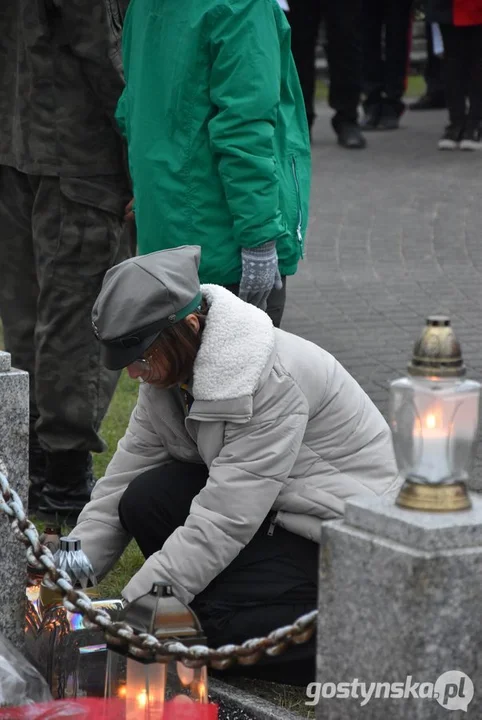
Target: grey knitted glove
260,274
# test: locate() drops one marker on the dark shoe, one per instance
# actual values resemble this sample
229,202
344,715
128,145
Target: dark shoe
429,102
390,115
450,140
68,485
471,139
371,117
349,135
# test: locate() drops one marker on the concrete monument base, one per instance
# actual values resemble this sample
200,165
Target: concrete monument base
14,426
400,602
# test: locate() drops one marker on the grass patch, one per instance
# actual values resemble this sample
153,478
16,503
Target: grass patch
130,562
416,86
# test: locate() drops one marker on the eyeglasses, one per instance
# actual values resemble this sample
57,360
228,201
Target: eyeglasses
143,364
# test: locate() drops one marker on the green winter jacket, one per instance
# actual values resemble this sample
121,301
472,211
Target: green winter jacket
218,141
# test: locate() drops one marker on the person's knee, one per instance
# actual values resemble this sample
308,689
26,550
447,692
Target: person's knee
161,497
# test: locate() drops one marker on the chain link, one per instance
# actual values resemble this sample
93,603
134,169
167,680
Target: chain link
142,645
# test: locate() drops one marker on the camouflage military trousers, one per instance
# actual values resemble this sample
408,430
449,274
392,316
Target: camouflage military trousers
58,237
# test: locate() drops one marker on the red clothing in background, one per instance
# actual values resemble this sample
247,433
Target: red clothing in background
467,12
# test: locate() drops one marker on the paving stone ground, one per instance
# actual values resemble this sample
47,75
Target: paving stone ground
395,235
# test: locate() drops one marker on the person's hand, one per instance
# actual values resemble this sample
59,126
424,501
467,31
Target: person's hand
129,214
260,274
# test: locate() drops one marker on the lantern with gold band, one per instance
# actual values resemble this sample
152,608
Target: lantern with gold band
434,417
145,685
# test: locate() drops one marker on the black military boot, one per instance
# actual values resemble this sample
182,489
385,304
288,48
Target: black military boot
69,482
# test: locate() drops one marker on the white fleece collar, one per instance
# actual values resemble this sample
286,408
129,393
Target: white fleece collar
237,342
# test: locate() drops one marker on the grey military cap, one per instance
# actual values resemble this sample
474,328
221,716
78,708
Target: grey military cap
142,296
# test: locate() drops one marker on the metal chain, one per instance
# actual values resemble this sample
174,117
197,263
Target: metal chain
142,645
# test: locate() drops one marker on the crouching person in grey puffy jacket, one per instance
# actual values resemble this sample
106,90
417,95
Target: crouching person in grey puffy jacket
244,438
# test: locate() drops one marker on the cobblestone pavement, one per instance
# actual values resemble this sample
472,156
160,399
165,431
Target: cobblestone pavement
395,235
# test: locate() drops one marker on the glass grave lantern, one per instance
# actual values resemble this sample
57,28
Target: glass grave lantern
434,418
145,685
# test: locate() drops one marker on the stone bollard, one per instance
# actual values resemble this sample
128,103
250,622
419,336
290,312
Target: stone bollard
14,427
400,605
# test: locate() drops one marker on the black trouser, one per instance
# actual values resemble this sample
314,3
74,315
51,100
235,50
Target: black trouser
59,236
463,73
433,69
344,52
276,301
385,63
269,584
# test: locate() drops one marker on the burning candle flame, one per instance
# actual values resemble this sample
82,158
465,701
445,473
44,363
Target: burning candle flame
203,696
431,421
142,699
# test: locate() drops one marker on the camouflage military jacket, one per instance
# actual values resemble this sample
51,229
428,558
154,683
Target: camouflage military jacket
60,79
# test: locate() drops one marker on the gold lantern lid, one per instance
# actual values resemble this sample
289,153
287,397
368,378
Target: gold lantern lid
437,352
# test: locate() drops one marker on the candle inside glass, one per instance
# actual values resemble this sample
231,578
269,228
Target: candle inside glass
430,439
145,689
191,683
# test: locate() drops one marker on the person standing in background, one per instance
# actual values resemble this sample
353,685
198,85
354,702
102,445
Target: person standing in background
460,23
218,143
344,53
63,188
386,45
